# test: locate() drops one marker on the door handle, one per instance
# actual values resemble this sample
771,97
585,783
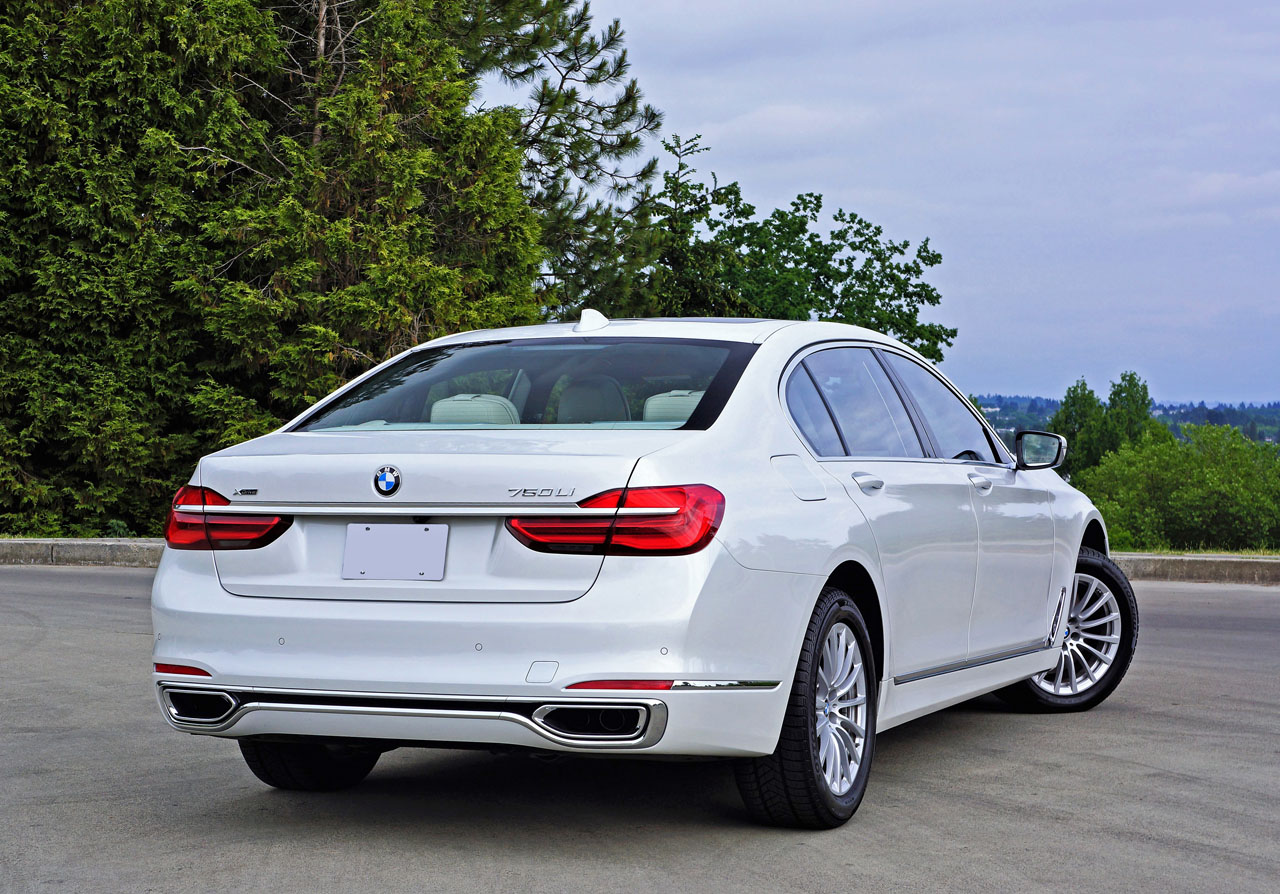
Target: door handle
982,484
867,482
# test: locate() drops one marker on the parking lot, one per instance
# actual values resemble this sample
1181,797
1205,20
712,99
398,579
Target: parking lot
1173,784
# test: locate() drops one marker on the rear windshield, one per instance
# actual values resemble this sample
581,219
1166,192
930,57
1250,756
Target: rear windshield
545,383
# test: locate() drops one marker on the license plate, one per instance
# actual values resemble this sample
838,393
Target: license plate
395,552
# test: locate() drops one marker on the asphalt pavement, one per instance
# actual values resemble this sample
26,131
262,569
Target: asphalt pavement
1173,784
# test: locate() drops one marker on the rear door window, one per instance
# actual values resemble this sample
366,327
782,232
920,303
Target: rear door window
867,409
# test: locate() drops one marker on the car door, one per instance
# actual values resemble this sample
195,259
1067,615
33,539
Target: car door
919,510
1012,606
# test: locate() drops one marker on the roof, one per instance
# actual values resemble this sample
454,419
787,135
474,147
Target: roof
737,329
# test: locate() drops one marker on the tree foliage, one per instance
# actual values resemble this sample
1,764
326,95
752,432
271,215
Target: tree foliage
1217,489
582,131
212,213
715,256
1094,429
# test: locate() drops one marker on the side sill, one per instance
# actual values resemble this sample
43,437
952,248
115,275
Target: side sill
1030,648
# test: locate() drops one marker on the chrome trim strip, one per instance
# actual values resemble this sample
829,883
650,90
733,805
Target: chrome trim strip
968,663
726,684
434,509
650,732
1052,640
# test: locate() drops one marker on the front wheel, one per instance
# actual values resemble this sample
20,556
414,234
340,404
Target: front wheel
816,777
1102,632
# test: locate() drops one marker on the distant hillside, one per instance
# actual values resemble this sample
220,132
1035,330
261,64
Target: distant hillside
1011,413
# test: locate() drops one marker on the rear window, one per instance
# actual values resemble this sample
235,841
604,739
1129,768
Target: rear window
617,383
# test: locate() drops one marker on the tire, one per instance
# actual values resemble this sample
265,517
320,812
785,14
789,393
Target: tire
308,766
1071,686
791,787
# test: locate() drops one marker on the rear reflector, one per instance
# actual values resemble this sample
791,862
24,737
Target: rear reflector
622,684
182,669
698,511
184,529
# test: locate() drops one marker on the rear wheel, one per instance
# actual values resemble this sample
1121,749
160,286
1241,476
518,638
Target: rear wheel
1102,631
308,766
817,775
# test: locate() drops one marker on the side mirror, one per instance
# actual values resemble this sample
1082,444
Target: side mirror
1039,449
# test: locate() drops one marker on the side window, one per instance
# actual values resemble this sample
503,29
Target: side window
811,416
866,406
958,432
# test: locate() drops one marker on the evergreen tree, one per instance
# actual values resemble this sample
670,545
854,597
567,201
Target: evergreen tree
1127,414
1079,420
212,213
582,130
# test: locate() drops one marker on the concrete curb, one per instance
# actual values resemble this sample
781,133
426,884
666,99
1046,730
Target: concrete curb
141,552
128,552
1203,569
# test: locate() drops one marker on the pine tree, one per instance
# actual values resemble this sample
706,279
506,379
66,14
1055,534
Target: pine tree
582,130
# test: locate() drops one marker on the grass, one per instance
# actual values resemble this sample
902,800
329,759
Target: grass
1209,551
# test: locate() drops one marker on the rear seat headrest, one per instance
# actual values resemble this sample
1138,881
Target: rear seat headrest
474,409
671,406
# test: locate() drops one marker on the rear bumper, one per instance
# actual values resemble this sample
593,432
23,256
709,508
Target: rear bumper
449,672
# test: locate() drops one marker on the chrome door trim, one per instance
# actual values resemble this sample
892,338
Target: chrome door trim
968,663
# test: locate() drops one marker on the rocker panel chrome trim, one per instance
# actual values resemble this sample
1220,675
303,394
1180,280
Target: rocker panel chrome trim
990,658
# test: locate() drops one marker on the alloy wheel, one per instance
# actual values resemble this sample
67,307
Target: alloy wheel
1091,642
841,703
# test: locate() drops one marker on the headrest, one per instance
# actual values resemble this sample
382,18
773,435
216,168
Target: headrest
475,409
671,406
593,399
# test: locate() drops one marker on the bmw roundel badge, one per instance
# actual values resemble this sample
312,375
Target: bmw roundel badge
386,480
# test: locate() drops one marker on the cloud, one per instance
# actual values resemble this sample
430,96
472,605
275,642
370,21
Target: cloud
1076,163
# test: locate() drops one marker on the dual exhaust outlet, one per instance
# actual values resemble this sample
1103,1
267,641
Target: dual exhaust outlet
576,721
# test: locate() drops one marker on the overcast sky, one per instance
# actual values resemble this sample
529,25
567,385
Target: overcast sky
1102,178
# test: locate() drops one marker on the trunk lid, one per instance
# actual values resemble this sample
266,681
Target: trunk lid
469,481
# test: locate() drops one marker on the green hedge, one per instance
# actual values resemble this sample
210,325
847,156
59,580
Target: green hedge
1216,490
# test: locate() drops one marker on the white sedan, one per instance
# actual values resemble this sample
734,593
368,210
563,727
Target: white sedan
754,539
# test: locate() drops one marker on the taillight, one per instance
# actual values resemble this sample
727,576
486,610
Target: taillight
685,519
186,529
699,510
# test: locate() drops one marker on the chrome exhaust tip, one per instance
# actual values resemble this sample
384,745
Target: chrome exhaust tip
593,722
198,706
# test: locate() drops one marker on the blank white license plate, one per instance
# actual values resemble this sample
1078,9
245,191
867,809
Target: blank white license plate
395,552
